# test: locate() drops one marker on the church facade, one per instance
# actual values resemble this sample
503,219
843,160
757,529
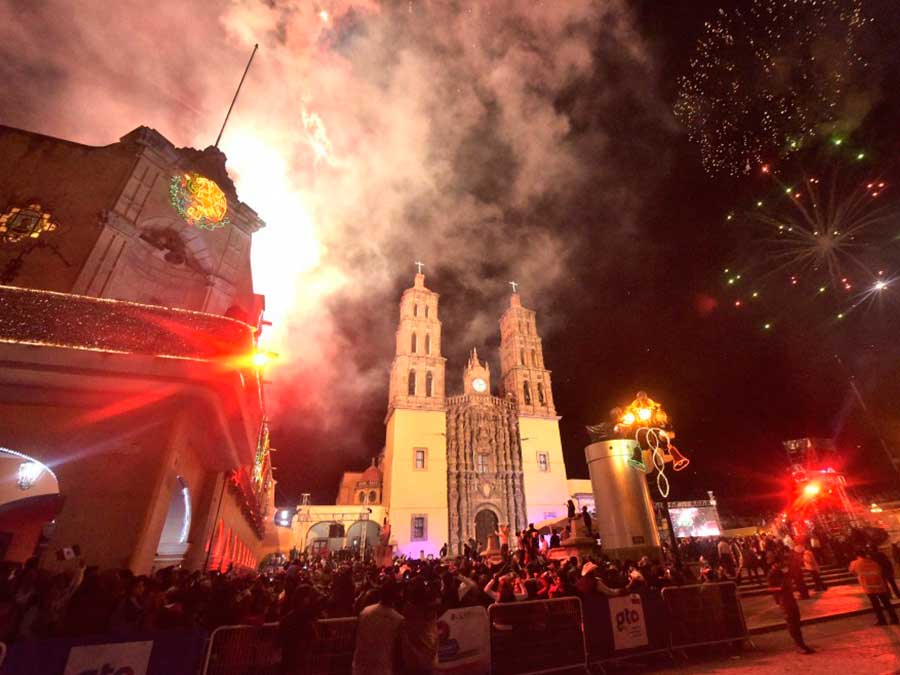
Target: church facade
457,467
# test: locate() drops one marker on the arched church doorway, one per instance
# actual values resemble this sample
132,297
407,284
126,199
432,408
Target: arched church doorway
29,501
173,541
363,534
486,524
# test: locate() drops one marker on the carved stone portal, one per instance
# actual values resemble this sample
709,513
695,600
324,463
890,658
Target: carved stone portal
484,467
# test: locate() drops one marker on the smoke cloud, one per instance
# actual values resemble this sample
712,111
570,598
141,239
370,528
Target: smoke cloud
479,137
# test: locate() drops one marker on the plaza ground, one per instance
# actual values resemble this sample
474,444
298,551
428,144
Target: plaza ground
762,614
848,646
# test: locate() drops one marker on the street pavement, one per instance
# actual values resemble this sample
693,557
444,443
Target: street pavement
849,646
761,613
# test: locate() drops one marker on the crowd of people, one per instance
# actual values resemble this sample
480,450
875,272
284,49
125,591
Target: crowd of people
404,599
784,563
37,604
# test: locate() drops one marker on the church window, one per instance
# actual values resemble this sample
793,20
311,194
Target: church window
526,391
426,311
413,343
534,359
335,531
415,309
412,383
427,343
540,388
429,384
373,497
420,457
521,329
481,463
522,356
362,497
543,461
419,528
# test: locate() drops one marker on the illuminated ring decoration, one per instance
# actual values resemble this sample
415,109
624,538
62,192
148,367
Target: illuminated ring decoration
659,461
199,201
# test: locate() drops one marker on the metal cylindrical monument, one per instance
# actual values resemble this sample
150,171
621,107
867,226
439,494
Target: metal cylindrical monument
625,519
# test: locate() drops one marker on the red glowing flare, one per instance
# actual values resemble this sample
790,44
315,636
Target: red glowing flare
812,489
765,168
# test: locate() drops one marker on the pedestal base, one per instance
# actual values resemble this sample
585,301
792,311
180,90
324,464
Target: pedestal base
384,555
580,547
633,553
493,553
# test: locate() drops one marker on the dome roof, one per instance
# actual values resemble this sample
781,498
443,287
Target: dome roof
371,474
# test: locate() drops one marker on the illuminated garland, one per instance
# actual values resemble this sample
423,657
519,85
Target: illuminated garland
651,425
199,201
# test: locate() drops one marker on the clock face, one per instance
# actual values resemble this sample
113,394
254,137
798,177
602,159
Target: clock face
479,385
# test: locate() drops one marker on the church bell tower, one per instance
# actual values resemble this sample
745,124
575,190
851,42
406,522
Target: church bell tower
415,459
526,379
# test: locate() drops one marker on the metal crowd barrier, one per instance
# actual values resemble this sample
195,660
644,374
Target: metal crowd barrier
704,614
624,627
256,650
243,650
537,636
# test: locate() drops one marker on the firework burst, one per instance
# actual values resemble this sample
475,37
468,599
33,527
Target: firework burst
764,80
822,236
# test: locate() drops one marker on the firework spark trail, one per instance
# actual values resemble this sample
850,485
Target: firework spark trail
317,138
827,234
764,81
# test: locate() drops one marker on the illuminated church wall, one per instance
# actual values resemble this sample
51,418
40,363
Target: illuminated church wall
74,183
136,220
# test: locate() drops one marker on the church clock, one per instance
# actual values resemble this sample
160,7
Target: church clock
479,385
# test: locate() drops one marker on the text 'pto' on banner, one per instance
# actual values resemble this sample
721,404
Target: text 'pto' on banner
118,658
628,625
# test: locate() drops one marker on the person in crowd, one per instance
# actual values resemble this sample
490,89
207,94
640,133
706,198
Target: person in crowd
298,629
378,635
554,538
588,523
887,569
749,562
725,557
782,589
795,568
505,588
504,540
811,566
419,632
871,579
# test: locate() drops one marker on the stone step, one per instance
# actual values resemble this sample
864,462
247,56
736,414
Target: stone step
763,590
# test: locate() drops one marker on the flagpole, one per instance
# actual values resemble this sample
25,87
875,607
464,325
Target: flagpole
237,91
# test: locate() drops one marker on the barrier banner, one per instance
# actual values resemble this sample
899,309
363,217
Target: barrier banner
125,657
626,614
464,644
537,636
704,614
163,653
624,626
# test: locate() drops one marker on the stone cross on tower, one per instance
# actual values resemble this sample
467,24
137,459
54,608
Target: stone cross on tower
515,286
419,265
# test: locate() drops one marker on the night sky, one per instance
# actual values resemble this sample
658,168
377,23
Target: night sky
506,140
652,317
